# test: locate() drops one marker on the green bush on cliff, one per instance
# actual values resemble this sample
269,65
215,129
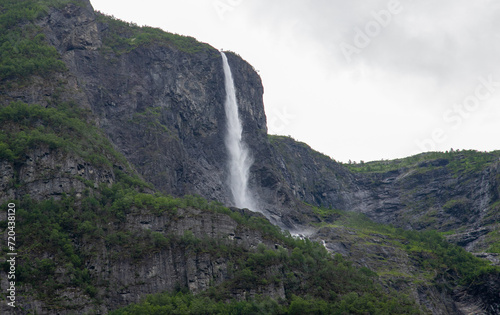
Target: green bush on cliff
187,303
24,51
306,270
457,162
28,125
442,257
122,37
447,258
48,226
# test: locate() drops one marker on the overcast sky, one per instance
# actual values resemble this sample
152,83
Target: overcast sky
358,79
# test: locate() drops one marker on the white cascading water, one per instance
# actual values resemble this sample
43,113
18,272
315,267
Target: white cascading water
239,157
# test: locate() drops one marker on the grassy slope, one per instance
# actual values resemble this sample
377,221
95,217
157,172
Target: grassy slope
459,162
122,37
441,257
23,49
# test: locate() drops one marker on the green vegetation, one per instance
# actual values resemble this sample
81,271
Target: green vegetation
24,51
458,162
429,248
310,276
457,206
355,220
57,237
494,238
448,259
48,229
122,37
187,303
52,228
312,279
26,126
314,283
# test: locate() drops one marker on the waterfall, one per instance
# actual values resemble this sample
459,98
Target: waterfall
239,157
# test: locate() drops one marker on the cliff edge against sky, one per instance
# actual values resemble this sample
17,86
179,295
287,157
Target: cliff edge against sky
108,129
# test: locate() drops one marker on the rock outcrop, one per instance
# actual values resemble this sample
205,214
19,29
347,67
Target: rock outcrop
161,105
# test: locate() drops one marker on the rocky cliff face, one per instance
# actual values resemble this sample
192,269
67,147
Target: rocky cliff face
436,193
175,262
162,107
156,99
160,104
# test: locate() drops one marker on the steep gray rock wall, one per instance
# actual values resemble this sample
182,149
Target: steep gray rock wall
175,265
123,278
46,173
431,195
162,107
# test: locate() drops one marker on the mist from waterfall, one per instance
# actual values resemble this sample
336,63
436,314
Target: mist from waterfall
239,157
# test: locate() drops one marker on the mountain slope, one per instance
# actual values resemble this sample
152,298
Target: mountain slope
108,128
454,192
